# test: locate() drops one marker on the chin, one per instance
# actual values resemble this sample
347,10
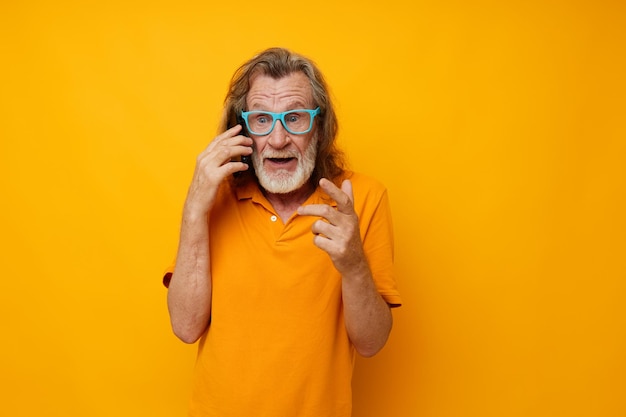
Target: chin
283,182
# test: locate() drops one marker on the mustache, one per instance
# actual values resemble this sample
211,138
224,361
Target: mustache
270,153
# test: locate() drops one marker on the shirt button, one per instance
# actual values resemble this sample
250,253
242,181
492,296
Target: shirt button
273,218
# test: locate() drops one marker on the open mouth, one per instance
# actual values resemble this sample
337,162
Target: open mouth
280,161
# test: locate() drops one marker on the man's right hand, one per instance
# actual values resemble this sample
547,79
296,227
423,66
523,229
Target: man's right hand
213,165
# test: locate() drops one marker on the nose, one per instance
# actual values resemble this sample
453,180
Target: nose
279,137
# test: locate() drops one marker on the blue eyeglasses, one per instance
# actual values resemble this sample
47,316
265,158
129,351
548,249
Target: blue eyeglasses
297,122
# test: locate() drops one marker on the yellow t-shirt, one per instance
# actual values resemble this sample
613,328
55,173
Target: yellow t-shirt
277,343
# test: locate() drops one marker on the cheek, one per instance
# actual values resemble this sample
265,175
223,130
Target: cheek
258,144
302,143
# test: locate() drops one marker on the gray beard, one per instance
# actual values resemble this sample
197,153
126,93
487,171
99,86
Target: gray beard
283,181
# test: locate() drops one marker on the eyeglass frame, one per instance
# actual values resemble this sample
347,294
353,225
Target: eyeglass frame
280,116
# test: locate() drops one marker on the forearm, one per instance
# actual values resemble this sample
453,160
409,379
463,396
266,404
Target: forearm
368,317
189,294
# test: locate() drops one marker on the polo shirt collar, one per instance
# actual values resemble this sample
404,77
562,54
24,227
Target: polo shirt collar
251,191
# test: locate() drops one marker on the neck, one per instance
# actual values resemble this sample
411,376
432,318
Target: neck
287,204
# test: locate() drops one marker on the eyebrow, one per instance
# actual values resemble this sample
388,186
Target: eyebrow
276,112
292,105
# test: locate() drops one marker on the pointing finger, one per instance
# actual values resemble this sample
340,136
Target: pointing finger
346,187
344,196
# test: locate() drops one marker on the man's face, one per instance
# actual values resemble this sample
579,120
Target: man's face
283,161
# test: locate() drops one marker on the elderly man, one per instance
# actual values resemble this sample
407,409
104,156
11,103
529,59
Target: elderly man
285,261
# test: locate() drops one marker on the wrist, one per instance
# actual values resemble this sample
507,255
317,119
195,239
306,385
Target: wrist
193,214
357,273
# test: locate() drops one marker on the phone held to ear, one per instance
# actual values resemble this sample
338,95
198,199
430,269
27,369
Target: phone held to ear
246,159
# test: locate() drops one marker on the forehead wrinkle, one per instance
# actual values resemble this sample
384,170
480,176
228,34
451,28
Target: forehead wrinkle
286,100
284,94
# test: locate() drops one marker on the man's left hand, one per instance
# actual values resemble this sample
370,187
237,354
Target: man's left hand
337,232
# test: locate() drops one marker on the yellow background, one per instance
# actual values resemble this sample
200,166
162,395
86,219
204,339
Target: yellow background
498,127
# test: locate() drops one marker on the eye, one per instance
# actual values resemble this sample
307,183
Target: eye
262,119
292,117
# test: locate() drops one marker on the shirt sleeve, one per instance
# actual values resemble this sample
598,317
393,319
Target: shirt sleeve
378,240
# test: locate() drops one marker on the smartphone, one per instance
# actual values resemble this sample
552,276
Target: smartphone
244,158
